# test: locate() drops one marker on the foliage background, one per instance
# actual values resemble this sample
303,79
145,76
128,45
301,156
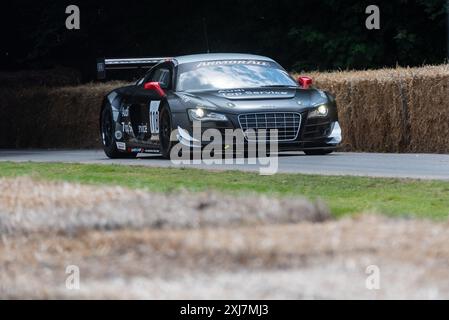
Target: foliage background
301,35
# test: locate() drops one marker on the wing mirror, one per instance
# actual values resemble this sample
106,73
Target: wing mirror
155,86
305,82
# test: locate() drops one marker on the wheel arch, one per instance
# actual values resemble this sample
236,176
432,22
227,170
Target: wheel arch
112,99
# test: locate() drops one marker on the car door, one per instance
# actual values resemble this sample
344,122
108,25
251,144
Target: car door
144,112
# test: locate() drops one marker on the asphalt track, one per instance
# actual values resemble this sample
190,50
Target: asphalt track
417,166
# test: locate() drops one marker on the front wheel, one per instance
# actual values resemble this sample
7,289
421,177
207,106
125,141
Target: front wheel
108,136
318,152
165,130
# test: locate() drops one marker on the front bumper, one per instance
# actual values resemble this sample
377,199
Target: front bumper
330,141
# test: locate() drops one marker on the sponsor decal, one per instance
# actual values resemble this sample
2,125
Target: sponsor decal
231,62
127,128
143,128
242,92
266,92
322,94
125,111
231,90
151,151
135,150
121,145
184,98
118,135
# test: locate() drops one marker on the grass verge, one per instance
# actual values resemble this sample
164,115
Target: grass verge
344,195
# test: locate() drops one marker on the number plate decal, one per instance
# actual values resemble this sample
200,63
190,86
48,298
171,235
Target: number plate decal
154,117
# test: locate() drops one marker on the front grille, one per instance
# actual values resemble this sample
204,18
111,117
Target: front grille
287,124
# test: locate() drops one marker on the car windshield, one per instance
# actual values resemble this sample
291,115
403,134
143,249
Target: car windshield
231,74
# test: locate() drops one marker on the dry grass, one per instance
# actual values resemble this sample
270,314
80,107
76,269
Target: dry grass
52,117
28,207
389,110
264,249
59,76
392,110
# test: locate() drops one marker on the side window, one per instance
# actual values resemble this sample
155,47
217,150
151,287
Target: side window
161,75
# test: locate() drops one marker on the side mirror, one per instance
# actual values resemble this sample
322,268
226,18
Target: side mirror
305,82
155,86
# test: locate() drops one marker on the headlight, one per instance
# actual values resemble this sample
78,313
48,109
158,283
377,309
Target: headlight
321,111
200,114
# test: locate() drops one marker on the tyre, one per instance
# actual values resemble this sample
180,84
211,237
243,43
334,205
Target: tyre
318,152
165,130
108,137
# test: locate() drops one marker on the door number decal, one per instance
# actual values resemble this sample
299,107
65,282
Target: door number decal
154,117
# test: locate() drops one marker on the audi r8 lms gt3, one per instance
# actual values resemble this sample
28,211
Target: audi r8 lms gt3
221,91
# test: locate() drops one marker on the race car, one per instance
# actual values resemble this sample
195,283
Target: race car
247,92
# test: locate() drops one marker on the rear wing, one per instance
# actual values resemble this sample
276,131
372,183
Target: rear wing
105,64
